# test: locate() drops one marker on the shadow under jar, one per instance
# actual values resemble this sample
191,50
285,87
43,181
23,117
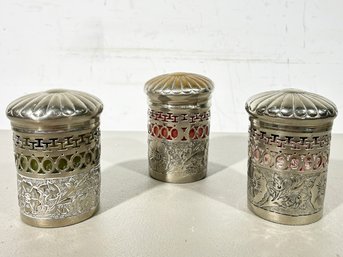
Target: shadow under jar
178,126
289,145
57,151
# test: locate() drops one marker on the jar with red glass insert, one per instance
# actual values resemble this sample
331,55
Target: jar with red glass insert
178,126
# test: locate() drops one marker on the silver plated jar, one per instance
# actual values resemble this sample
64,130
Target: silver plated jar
57,150
178,126
289,145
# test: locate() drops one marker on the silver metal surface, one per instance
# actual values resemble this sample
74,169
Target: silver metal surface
178,126
289,146
57,151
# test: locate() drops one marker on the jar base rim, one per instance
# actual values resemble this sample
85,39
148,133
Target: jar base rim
285,219
55,223
172,178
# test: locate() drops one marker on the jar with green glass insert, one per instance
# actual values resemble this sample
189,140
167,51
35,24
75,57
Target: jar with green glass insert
57,151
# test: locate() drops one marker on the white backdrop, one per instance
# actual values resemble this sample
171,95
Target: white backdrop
110,48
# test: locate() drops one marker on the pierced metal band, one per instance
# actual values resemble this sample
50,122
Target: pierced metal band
54,155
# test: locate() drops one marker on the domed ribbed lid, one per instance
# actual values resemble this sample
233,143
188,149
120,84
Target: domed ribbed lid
57,105
179,83
291,104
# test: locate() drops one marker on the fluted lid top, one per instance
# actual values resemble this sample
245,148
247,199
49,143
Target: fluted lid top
291,104
179,84
57,105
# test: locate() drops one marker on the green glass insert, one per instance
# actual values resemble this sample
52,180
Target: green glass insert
62,164
47,165
76,161
34,165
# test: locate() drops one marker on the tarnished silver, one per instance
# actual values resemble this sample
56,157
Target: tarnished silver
178,126
57,151
289,145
